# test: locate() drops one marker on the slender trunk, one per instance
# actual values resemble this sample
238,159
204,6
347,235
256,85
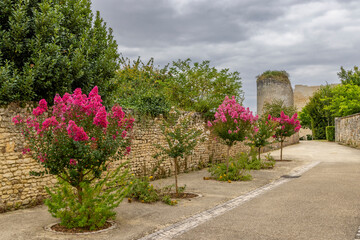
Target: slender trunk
227,160
78,188
79,194
176,181
259,150
281,148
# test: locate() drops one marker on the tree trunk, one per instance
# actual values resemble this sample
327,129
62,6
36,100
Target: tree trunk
79,194
259,150
176,172
227,160
78,188
281,148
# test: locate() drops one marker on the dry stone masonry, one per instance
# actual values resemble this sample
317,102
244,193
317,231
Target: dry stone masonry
347,130
19,189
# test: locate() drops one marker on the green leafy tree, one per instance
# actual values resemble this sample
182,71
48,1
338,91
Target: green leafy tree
201,88
315,114
349,76
139,87
344,100
53,46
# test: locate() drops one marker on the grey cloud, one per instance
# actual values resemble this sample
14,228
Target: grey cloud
309,39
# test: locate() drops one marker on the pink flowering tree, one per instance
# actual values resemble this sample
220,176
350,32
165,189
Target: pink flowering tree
263,130
232,123
76,142
285,127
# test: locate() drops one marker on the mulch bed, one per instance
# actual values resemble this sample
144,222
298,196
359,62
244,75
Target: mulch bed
183,195
59,228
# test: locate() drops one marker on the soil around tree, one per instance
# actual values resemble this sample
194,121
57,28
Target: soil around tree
80,230
183,195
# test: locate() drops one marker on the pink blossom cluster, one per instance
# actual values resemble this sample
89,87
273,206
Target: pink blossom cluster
41,108
75,132
78,116
287,125
230,110
72,162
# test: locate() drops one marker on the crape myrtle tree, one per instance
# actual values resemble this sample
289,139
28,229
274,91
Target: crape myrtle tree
233,123
286,127
53,46
76,142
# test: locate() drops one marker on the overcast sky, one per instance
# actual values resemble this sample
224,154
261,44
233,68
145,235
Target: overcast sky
309,39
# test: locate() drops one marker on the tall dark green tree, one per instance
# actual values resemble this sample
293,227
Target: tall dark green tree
53,46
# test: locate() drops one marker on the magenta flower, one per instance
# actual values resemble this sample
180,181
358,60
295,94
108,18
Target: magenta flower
76,133
73,162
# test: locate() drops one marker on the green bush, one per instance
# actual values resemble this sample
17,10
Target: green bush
53,46
139,87
98,200
142,190
237,170
330,133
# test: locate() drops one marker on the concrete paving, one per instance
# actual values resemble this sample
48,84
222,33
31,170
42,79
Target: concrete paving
322,204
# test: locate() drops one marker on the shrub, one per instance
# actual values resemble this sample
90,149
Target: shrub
142,190
235,170
76,142
330,133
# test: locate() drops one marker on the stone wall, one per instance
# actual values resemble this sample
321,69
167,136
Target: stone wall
347,130
19,189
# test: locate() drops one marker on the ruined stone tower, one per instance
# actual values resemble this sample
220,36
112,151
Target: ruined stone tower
273,85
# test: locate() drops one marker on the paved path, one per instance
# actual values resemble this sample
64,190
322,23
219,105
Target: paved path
323,203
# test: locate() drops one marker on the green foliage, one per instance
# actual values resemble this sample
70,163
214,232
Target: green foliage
278,75
350,76
142,190
53,46
275,107
240,165
139,87
344,100
264,129
98,200
236,171
315,111
330,133
181,136
327,103
199,87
